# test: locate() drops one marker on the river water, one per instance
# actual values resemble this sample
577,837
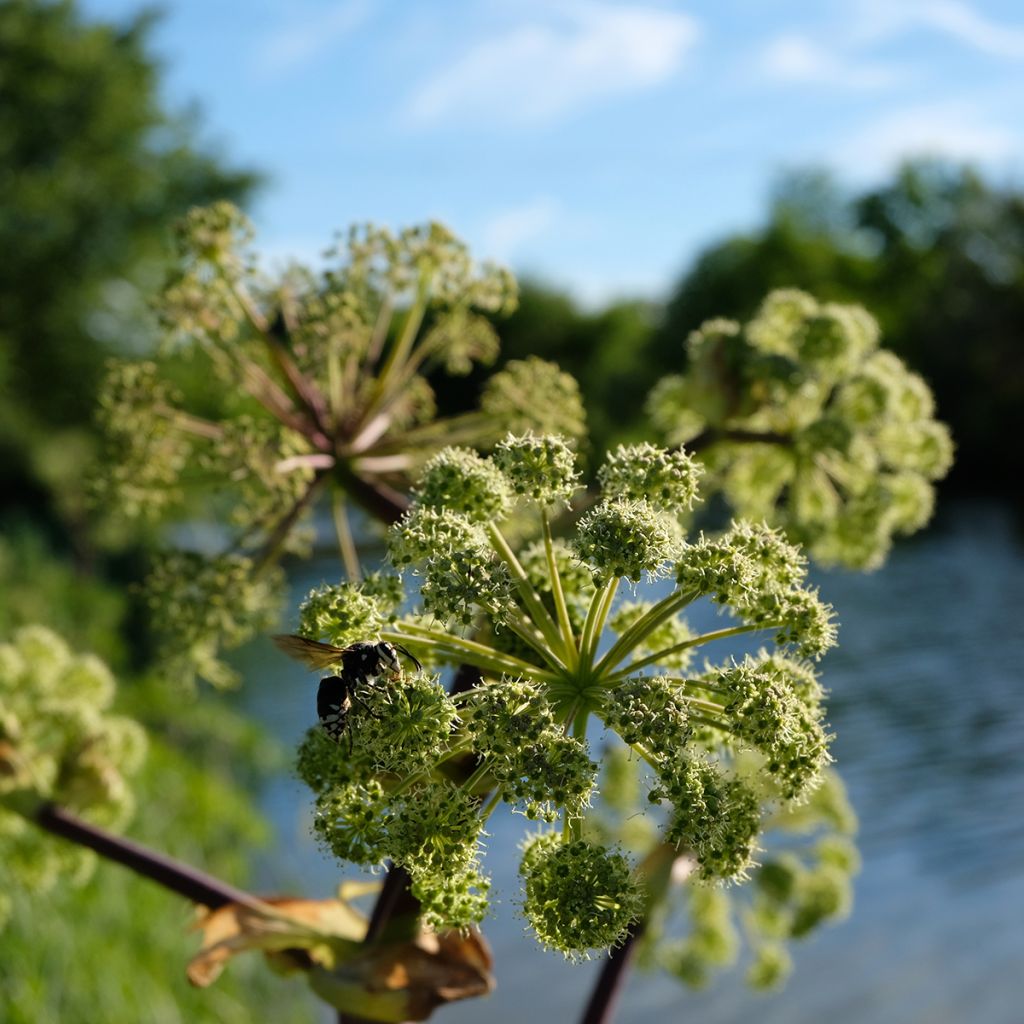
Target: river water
928,709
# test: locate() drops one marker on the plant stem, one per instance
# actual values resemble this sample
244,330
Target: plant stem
655,616
714,435
478,655
588,641
561,608
275,542
343,530
605,995
541,619
172,874
718,634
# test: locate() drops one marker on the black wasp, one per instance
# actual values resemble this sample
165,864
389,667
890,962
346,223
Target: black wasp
360,663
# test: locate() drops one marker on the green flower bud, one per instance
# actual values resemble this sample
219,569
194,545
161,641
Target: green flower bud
322,763
87,680
452,899
649,711
553,771
350,820
627,538
579,897
532,395
59,744
924,447
541,468
714,816
823,894
457,583
199,604
764,712
713,940
461,338
507,715
340,614
423,533
213,233
714,569
771,966
459,480
433,829
644,472
401,726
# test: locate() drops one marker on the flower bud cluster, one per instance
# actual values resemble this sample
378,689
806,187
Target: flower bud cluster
804,421
801,885
60,743
460,480
713,940
761,577
628,538
648,710
198,604
146,453
535,764
534,395
578,896
540,468
764,710
714,815
545,668
644,472
343,613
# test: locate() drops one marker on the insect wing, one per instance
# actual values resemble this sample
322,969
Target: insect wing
311,653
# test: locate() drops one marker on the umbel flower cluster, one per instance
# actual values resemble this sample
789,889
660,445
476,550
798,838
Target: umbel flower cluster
420,770
271,392
58,743
803,421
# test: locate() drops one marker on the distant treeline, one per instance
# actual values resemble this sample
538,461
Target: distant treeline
936,254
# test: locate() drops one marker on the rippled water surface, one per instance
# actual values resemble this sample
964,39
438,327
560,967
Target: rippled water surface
928,709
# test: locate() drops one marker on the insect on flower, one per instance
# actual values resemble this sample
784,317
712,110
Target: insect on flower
360,663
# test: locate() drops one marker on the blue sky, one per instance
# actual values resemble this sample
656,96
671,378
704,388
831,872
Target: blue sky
598,144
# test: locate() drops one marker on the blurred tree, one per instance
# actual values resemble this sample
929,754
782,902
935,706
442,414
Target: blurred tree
92,171
937,255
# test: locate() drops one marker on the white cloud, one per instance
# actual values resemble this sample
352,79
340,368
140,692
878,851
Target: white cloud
886,18
568,56
506,234
957,130
798,59
308,34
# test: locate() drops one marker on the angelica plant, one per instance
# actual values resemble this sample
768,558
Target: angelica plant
270,394
565,649
803,421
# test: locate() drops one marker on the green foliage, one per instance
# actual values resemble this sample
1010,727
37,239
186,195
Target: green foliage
92,168
122,942
59,743
934,253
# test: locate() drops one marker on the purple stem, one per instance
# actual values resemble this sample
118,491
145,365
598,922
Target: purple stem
605,996
172,874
